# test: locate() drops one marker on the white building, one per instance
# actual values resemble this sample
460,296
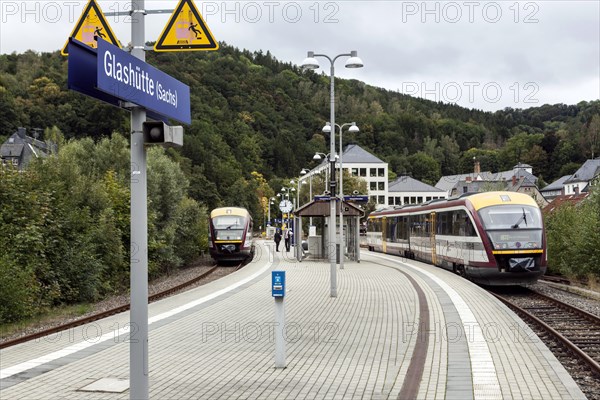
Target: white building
359,162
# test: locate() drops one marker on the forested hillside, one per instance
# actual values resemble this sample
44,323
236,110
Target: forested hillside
252,112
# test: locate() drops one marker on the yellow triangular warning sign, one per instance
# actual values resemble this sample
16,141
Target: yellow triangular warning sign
186,31
91,26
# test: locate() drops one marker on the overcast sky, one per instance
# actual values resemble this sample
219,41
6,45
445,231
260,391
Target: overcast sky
486,55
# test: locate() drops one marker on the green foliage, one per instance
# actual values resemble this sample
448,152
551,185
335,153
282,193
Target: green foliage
66,228
573,234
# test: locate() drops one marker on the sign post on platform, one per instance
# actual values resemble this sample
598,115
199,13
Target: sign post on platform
278,293
139,387
100,69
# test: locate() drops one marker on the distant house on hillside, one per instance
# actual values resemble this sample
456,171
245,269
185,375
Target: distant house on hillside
554,189
519,179
583,178
19,149
587,176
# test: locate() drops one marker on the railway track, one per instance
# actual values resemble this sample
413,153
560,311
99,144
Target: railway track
575,330
113,311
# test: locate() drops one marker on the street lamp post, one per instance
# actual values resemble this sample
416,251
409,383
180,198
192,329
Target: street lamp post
354,129
310,62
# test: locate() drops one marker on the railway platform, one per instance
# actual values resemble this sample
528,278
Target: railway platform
397,329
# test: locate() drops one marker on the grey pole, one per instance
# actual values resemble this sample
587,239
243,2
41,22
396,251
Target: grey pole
310,198
332,221
138,347
342,244
279,332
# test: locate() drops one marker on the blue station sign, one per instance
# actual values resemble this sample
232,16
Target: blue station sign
128,78
278,283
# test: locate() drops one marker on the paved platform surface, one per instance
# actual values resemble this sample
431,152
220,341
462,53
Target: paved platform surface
216,341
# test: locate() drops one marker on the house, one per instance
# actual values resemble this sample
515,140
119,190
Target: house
19,149
407,190
519,179
583,178
554,189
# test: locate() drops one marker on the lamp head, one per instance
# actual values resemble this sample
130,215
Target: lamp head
327,128
353,128
354,61
310,62
282,189
316,156
304,171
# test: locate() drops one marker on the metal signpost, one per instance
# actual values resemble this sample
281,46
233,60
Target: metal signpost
102,70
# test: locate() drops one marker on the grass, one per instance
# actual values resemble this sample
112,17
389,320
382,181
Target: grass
49,317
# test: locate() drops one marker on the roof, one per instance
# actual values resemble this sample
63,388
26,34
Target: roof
321,208
572,199
356,154
556,185
229,211
586,172
408,184
448,182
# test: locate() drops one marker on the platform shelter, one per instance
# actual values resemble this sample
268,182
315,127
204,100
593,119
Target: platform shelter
318,238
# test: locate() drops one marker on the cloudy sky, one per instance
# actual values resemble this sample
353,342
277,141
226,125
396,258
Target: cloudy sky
486,55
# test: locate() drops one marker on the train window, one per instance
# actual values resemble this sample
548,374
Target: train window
228,222
511,217
461,224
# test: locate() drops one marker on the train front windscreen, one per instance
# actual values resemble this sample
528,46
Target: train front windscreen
513,227
229,227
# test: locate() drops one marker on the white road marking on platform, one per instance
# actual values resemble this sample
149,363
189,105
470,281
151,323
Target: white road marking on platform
24,366
485,379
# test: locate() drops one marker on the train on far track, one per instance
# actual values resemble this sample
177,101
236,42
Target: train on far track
491,238
230,235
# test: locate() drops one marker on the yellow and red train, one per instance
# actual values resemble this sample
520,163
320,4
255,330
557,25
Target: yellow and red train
492,238
230,234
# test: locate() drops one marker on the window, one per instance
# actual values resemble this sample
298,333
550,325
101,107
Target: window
391,201
381,172
373,186
363,172
373,172
406,201
398,200
354,171
427,198
381,185
381,199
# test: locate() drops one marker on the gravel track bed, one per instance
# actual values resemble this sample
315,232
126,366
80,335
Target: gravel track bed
163,283
589,304
589,385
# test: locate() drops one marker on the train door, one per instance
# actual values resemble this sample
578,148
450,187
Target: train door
384,234
432,238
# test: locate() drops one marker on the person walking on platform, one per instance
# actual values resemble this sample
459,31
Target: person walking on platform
287,236
277,239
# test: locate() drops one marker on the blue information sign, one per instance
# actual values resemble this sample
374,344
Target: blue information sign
357,198
278,283
131,79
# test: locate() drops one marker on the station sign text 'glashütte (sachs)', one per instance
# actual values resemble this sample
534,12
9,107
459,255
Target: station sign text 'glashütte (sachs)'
130,79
